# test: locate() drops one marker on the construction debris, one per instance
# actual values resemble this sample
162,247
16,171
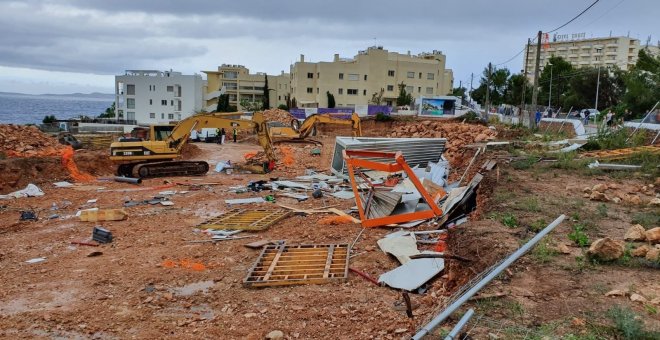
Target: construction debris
282,265
94,215
27,141
277,115
245,200
30,191
612,166
412,274
101,235
245,219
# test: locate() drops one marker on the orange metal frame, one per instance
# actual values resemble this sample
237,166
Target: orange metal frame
399,164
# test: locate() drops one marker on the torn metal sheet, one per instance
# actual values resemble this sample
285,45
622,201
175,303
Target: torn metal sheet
413,273
291,184
345,195
569,148
401,247
246,200
612,166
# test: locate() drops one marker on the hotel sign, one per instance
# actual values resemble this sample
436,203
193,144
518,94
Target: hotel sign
569,37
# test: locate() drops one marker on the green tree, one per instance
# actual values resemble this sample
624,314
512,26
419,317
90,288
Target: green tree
583,88
223,104
282,107
561,76
266,103
251,106
404,97
377,97
331,100
642,84
498,87
516,84
294,103
49,119
459,92
109,112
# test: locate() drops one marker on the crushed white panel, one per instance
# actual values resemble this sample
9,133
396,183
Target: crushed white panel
30,190
413,273
401,247
245,200
345,195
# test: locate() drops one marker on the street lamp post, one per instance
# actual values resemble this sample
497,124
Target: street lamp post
550,94
597,88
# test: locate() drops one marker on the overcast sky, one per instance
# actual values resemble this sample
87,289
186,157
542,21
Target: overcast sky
79,45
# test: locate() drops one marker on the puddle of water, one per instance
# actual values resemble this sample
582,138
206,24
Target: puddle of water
192,288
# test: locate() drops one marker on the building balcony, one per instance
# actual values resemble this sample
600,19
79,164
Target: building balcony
612,45
585,55
610,61
611,53
585,62
573,48
586,47
572,55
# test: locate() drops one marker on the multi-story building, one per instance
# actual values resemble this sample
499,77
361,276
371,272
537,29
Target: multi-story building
156,97
593,52
240,84
354,81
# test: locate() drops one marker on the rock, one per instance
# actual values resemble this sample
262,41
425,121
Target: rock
250,315
577,322
640,251
616,200
656,301
480,137
635,233
655,201
599,187
637,298
653,235
616,292
598,196
400,330
562,248
275,335
606,249
634,199
586,190
612,186
653,255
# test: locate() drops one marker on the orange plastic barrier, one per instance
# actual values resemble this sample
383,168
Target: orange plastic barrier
249,155
288,155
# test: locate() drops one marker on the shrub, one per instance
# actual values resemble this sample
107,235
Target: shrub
381,117
579,236
282,107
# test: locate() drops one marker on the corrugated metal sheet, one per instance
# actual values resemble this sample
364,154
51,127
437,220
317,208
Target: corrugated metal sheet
416,151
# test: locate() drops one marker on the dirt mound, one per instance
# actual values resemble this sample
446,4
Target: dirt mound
190,151
458,135
277,115
16,173
27,141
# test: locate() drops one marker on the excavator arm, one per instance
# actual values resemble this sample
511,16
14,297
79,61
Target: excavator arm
310,122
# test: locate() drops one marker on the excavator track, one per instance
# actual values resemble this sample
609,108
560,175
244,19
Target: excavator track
164,169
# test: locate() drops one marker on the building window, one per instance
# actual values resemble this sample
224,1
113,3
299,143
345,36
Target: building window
365,77
341,76
352,92
130,115
171,102
130,103
163,102
231,74
279,97
353,76
170,88
162,116
230,86
419,89
151,102
318,75
390,87
420,75
310,75
317,90
390,73
152,115
429,90
178,116
364,92
310,90
341,91
130,89
409,89
410,75
430,76
388,103
170,116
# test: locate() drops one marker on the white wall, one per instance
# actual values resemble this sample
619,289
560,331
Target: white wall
151,90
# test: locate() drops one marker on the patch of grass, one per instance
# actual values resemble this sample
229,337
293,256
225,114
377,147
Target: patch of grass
580,263
509,220
651,309
515,308
502,196
529,204
628,325
524,164
538,225
543,252
588,336
602,210
627,259
569,161
578,235
647,219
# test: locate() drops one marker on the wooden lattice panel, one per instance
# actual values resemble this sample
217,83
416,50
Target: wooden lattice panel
620,153
281,265
245,219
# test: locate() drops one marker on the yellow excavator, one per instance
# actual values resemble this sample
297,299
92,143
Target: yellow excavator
299,131
156,156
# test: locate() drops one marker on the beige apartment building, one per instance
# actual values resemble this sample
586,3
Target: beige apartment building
353,81
240,84
593,52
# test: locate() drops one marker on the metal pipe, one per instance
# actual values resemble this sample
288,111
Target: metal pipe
493,274
128,180
461,323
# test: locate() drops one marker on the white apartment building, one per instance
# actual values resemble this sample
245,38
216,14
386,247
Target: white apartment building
157,97
581,52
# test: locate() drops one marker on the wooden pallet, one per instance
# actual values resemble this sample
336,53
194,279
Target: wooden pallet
283,265
620,153
245,219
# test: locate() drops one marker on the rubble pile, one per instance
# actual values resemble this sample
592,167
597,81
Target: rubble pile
277,115
27,141
613,193
457,134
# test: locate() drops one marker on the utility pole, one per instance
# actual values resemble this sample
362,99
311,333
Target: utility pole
535,90
471,78
550,94
524,89
490,70
597,88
